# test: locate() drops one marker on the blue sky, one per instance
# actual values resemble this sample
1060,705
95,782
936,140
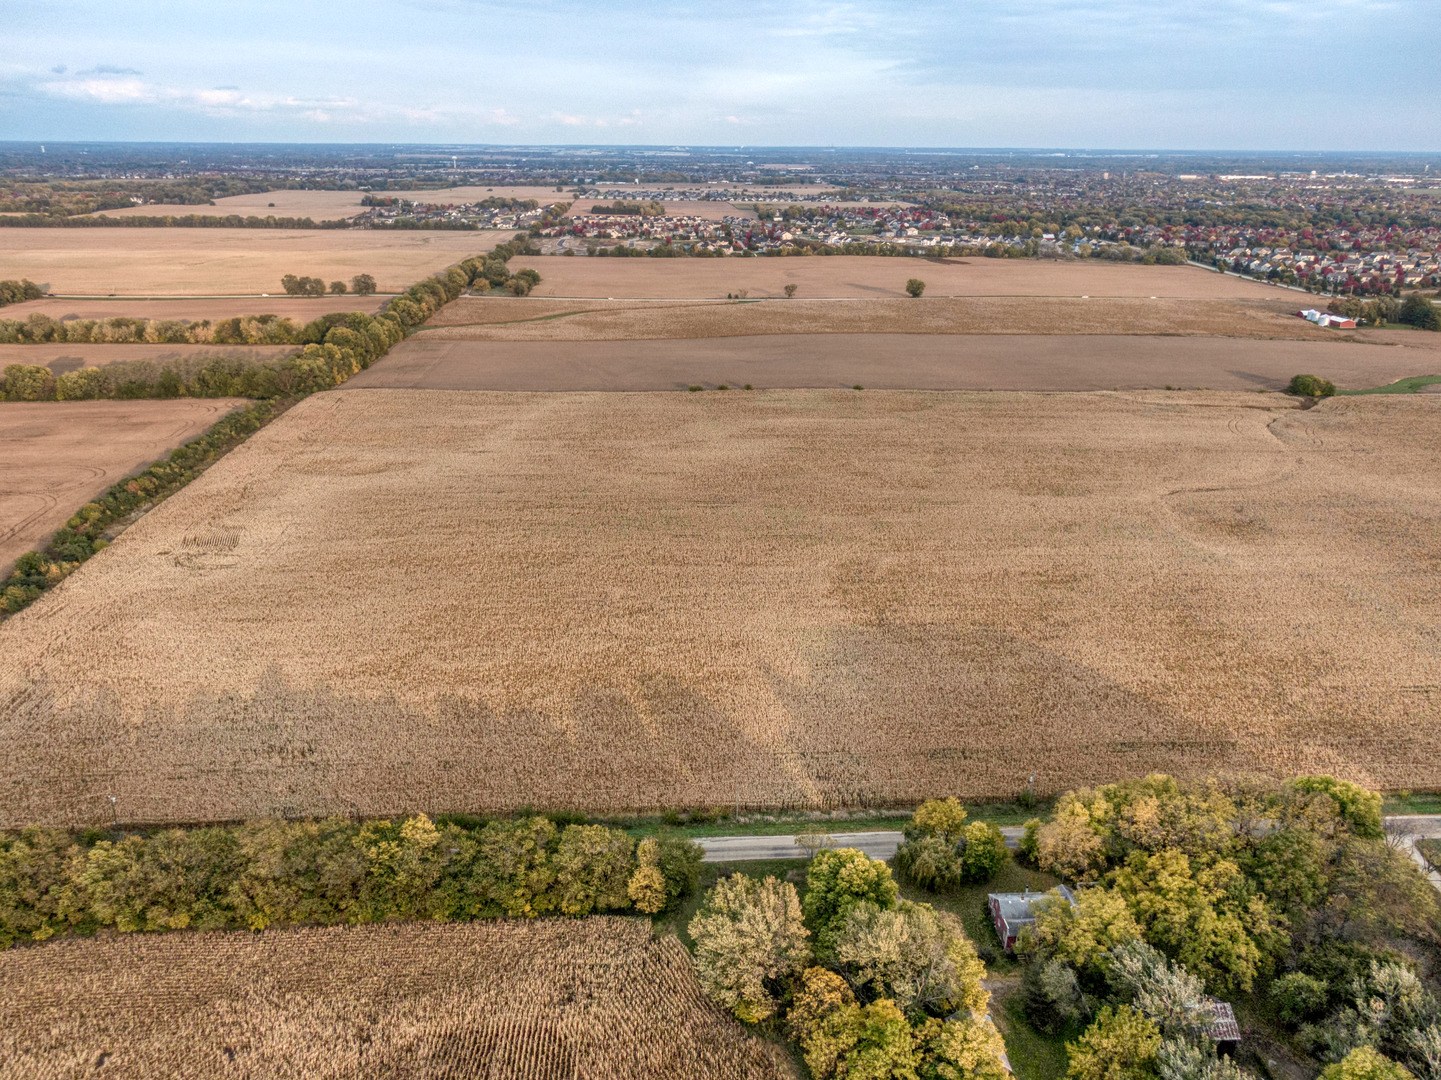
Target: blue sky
1201,74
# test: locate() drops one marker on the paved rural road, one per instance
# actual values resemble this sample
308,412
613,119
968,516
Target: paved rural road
882,845
878,845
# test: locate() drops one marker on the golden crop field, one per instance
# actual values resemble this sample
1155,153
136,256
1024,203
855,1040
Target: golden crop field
204,262
57,455
494,1000
397,600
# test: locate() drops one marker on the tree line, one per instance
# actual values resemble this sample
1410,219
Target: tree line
289,873
17,292
360,285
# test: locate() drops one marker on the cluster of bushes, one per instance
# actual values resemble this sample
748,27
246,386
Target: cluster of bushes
490,272
84,534
15,292
39,329
1289,894
276,873
1416,310
941,851
335,348
1312,386
868,984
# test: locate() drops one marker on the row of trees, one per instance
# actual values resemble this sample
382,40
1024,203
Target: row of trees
272,873
360,285
868,984
1290,895
16,292
40,329
1416,310
336,347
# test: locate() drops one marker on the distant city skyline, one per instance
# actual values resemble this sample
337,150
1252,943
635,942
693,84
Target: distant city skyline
1119,74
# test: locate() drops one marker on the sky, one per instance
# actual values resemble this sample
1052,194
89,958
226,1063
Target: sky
1114,74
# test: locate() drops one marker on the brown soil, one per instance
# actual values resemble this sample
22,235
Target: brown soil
57,455
498,319
875,276
301,309
204,262
540,1000
888,361
395,600
63,358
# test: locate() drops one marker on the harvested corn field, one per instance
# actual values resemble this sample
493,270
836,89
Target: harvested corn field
403,600
57,455
550,1000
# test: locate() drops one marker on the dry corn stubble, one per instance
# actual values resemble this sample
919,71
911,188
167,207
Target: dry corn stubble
407,600
547,1000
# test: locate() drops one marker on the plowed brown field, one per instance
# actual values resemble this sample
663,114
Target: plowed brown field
551,1000
497,319
887,361
401,600
876,276
57,455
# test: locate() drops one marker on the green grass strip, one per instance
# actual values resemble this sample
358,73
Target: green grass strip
1413,385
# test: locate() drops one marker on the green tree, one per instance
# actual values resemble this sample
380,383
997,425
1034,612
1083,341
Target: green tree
337,288
915,286
863,1042
943,819
912,954
592,869
1420,312
362,285
1081,935
790,290
1120,1045
1366,1063
983,852
838,879
750,944
966,1048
